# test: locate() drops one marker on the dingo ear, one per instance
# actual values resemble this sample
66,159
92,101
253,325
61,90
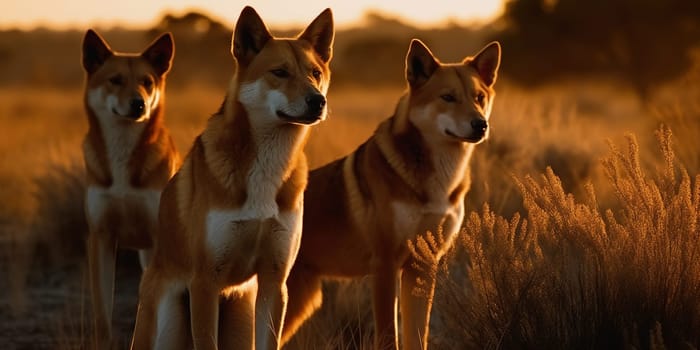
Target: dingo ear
487,61
420,64
250,36
95,51
160,53
320,34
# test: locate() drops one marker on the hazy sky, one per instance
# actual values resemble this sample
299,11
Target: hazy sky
82,13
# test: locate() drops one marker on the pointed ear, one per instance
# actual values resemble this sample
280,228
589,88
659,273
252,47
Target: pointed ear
95,51
487,61
249,37
420,64
160,53
320,34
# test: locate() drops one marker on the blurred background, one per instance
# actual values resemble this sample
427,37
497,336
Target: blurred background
576,77
641,44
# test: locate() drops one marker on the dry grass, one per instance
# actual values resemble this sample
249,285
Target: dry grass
563,273
572,275
343,323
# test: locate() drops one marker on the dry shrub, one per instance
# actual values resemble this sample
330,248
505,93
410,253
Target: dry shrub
59,227
563,128
682,115
571,275
53,232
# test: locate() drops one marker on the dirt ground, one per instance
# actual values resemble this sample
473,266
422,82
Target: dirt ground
53,309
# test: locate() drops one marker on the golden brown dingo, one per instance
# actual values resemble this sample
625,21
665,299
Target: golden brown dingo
231,217
129,157
408,179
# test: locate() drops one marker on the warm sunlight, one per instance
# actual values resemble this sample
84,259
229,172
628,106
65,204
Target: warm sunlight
27,14
574,225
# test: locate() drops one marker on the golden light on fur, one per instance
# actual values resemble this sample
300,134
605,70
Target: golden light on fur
392,208
230,219
129,157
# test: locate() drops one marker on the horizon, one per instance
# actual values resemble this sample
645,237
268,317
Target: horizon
77,14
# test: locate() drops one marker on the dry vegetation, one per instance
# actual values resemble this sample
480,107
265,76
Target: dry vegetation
572,274
572,241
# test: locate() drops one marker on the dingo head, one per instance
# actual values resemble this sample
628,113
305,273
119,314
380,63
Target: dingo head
283,80
451,102
122,86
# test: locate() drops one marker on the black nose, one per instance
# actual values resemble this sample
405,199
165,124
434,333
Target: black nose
316,102
136,107
479,125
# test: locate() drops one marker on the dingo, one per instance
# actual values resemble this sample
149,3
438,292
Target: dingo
408,179
129,157
231,217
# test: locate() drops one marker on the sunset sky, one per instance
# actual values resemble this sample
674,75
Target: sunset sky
77,14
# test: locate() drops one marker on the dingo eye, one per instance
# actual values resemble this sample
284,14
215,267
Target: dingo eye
280,73
480,98
448,98
116,80
147,83
316,73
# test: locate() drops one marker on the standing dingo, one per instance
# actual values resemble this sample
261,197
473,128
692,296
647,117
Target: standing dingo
129,157
230,219
408,179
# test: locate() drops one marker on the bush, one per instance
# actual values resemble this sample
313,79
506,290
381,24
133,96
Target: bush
570,275
629,40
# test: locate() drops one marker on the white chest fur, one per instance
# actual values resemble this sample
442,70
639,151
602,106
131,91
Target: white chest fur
450,167
120,146
228,229
271,166
120,137
267,173
410,219
99,199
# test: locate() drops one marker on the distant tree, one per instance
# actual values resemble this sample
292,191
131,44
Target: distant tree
373,60
4,54
202,46
192,24
643,42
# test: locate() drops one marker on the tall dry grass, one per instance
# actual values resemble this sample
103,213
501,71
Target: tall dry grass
573,275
